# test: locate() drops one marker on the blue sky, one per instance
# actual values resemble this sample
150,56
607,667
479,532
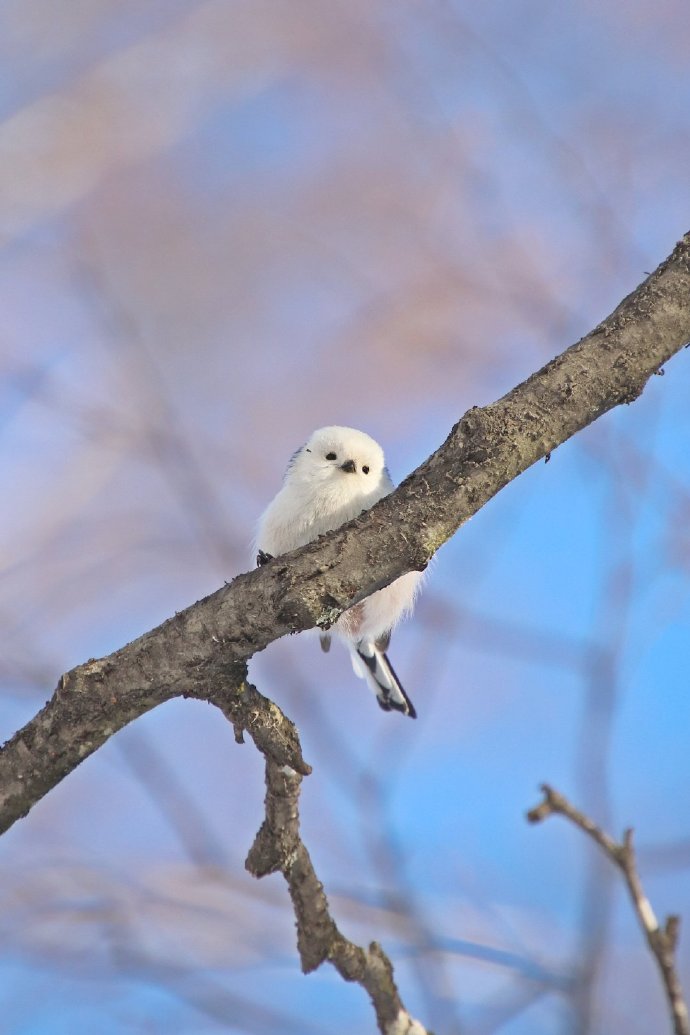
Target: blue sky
224,227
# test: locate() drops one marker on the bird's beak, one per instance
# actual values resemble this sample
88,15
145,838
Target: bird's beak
349,466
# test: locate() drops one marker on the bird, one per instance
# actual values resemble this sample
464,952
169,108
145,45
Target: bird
336,475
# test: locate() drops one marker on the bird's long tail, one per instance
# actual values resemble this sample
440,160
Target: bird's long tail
371,663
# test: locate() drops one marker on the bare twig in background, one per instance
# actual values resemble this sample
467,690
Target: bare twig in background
662,941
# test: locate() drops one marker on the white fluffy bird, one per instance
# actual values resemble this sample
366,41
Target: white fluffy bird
334,477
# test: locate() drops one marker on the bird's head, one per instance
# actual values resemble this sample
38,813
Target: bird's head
343,457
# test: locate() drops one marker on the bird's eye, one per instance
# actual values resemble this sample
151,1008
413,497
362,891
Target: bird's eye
365,469
331,456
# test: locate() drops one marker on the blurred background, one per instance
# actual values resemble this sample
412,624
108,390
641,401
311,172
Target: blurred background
225,224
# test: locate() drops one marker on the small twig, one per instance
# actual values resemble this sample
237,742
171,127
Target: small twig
662,941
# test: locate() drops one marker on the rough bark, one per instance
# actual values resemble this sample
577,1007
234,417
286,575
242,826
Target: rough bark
202,651
279,847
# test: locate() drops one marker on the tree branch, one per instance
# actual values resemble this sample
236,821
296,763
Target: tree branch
278,847
202,651
485,450
661,941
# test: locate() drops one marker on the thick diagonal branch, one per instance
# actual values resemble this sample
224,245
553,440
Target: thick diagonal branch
485,450
662,941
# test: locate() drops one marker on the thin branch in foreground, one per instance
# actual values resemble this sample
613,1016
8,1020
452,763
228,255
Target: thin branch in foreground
662,941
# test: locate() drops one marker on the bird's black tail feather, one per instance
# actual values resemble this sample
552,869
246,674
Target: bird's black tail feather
380,674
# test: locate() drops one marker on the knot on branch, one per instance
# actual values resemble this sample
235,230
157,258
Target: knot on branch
552,803
277,843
